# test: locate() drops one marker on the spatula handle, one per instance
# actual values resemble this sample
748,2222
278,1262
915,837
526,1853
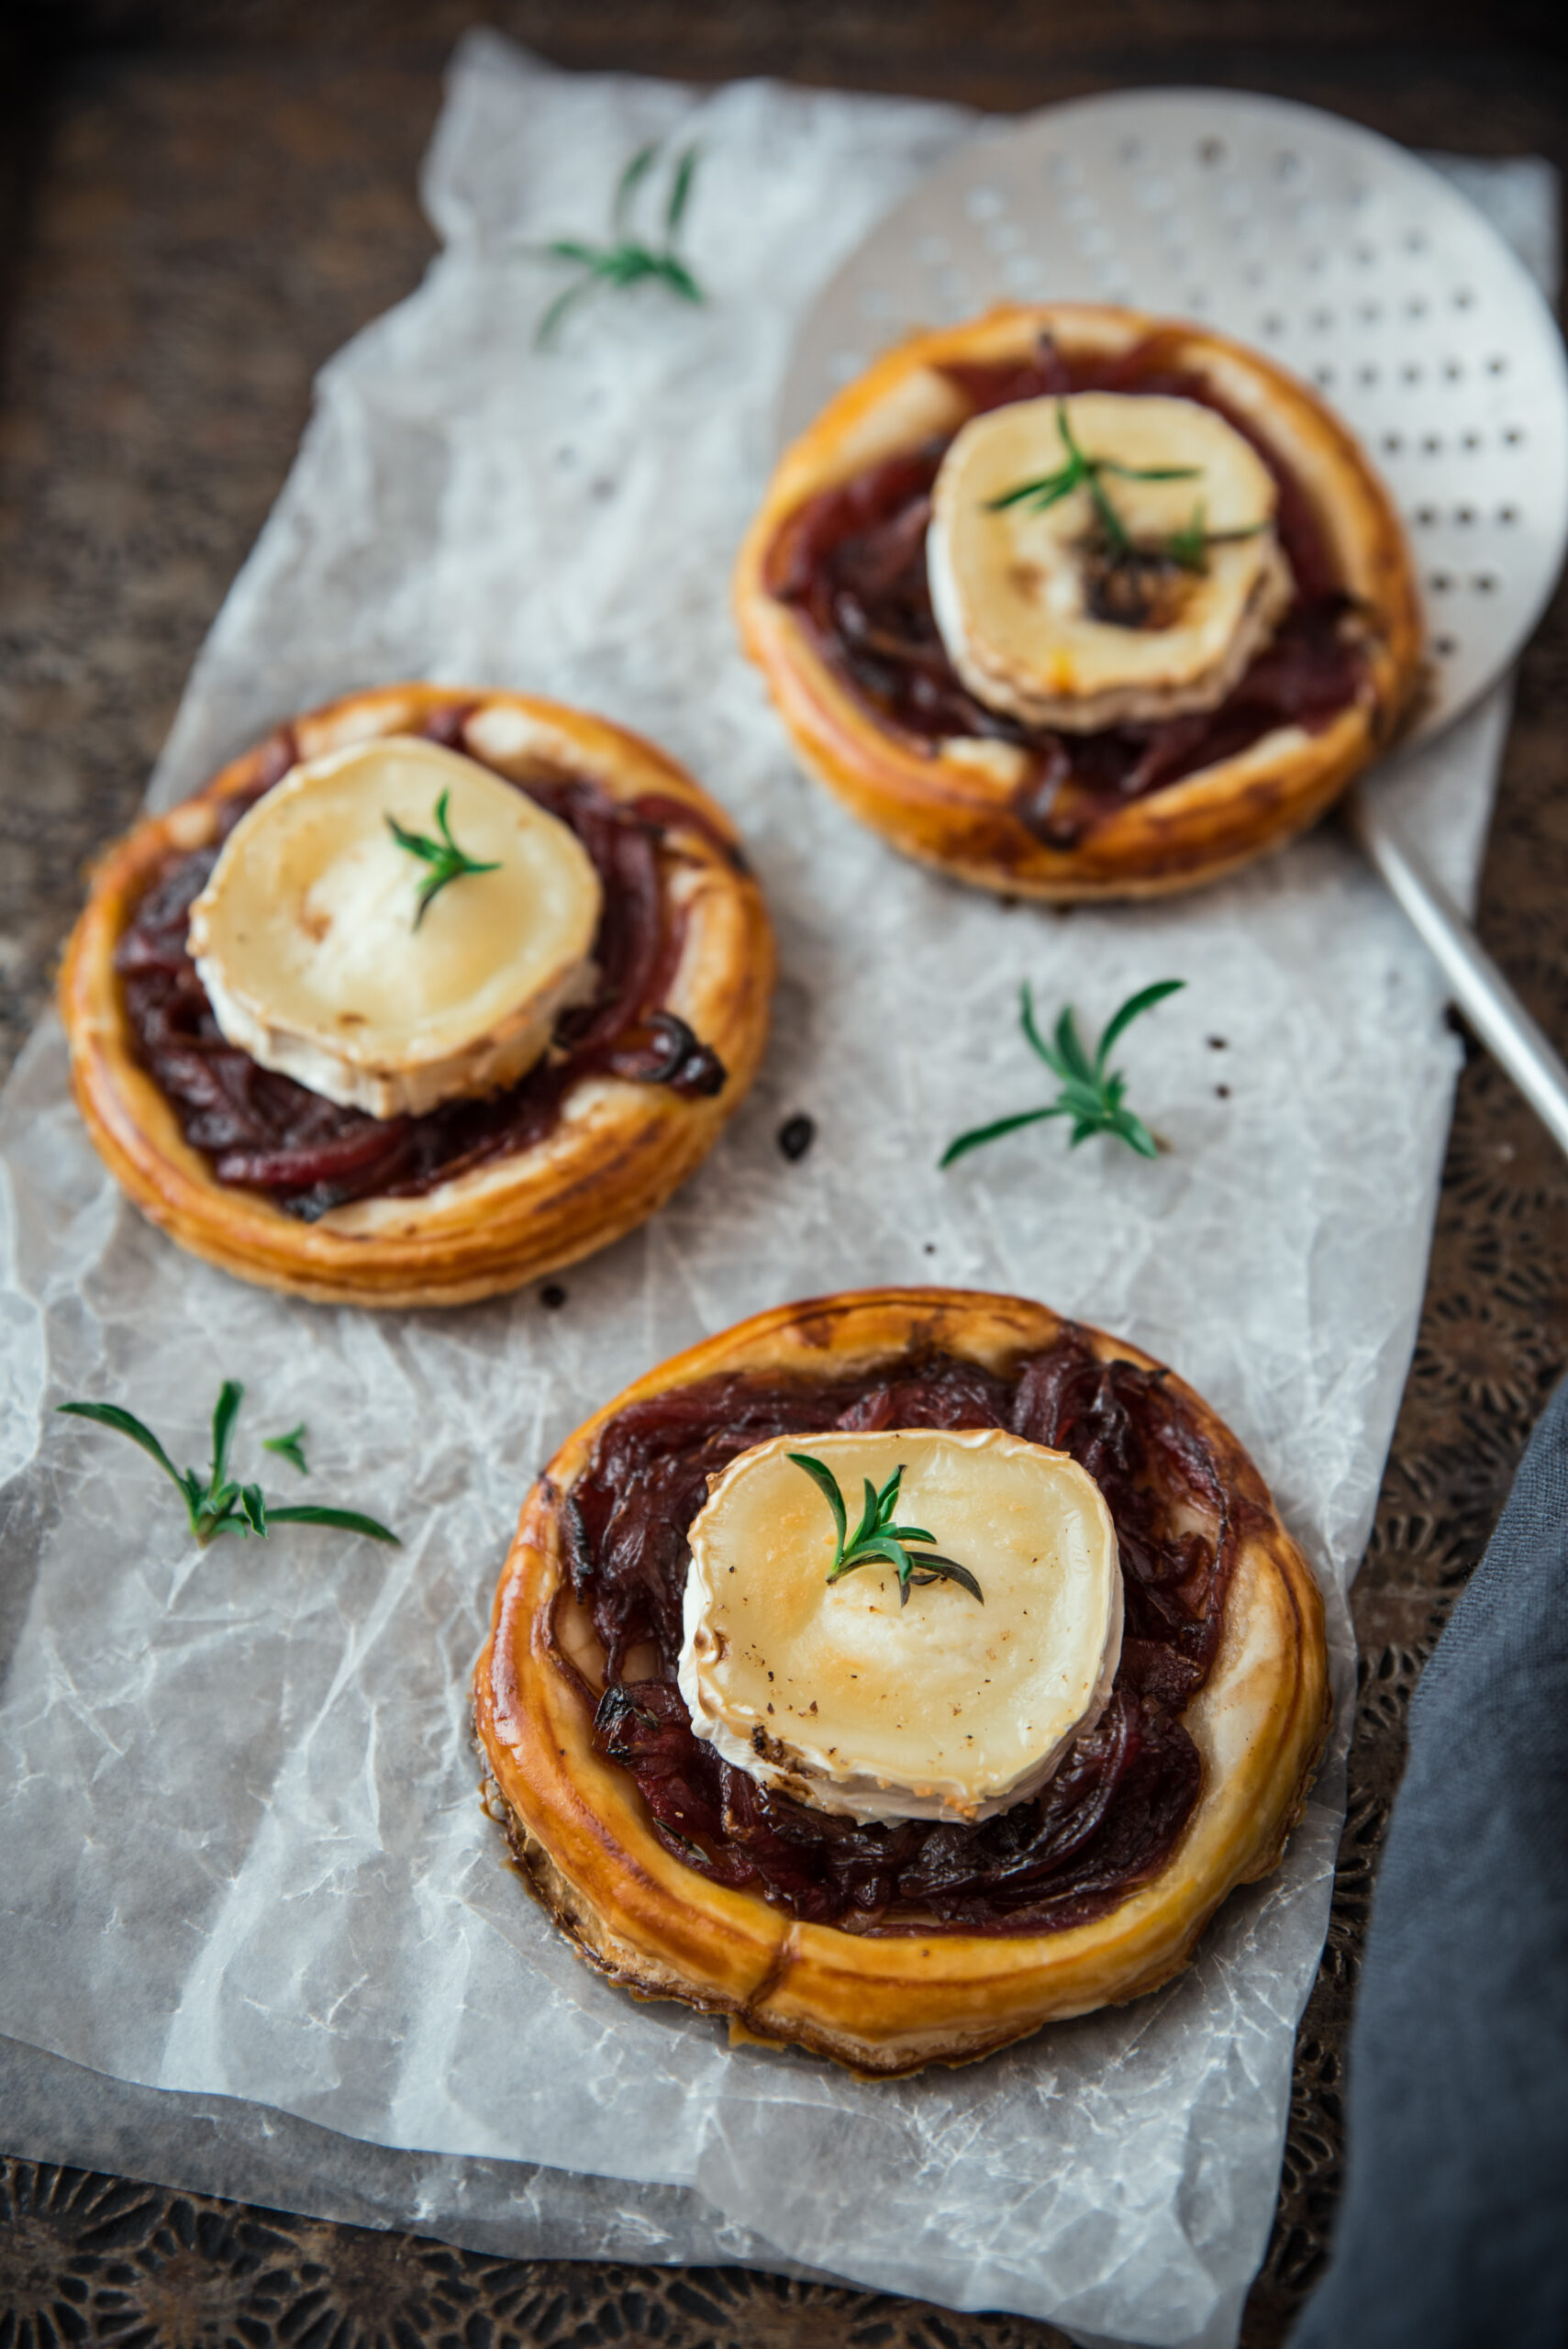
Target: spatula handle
1480,991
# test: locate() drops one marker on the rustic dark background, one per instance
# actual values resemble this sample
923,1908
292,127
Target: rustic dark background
198,203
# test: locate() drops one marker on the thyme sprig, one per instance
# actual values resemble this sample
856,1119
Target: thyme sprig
1083,473
877,1537
446,859
218,1504
626,260
1093,1095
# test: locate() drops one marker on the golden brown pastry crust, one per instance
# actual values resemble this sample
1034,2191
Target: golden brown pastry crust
884,2005
619,1149
949,808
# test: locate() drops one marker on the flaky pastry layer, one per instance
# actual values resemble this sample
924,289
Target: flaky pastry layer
619,1147
948,804
887,2004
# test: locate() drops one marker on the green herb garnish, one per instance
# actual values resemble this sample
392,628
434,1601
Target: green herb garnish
1083,473
1091,1097
290,1447
626,260
1188,547
219,1505
876,1536
446,859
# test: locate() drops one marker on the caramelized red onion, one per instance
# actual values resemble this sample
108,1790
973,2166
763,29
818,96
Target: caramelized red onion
853,561
1114,1810
263,1132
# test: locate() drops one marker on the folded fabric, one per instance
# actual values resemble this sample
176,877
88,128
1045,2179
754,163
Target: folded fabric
1454,2223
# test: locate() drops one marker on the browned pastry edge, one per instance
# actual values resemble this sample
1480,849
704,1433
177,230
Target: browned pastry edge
620,1150
884,2006
950,810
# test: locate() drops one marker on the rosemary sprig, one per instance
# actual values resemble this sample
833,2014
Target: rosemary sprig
1083,473
446,859
219,1505
626,260
1092,1095
876,1536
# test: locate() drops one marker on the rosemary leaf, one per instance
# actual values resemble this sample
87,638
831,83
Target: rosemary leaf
110,1415
230,1395
1149,472
1133,1008
827,1483
571,249
289,1447
1189,547
630,180
679,192
1047,491
931,1566
1133,1131
1070,1056
1110,520
545,333
994,1132
349,1520
679,279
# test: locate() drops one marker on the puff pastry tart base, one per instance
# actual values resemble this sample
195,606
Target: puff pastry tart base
887,2004
947,802
618,1149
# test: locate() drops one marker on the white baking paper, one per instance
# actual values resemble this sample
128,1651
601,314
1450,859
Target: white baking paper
242,1858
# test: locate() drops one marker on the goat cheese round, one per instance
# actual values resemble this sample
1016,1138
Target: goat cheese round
305,942
1050,616
842,1695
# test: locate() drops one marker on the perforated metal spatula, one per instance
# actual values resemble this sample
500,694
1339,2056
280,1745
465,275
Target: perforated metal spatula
1359,267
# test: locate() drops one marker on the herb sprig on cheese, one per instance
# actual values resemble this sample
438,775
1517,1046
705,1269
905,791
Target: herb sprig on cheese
446,859
1187,547
1083,473
877,1538
814,1680
1081,564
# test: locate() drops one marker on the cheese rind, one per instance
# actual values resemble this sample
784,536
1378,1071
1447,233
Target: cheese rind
303,936
941,1708
1022,597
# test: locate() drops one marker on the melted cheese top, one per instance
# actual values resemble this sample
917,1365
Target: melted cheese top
303,936
943,1707
1038,619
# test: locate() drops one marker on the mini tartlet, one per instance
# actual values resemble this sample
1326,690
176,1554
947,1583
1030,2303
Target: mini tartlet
857,666
598,1142
670,1903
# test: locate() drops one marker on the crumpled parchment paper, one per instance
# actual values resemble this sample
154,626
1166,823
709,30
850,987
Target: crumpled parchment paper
241,1859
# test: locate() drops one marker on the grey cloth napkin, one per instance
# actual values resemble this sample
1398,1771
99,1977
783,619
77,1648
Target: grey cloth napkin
1454,2223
